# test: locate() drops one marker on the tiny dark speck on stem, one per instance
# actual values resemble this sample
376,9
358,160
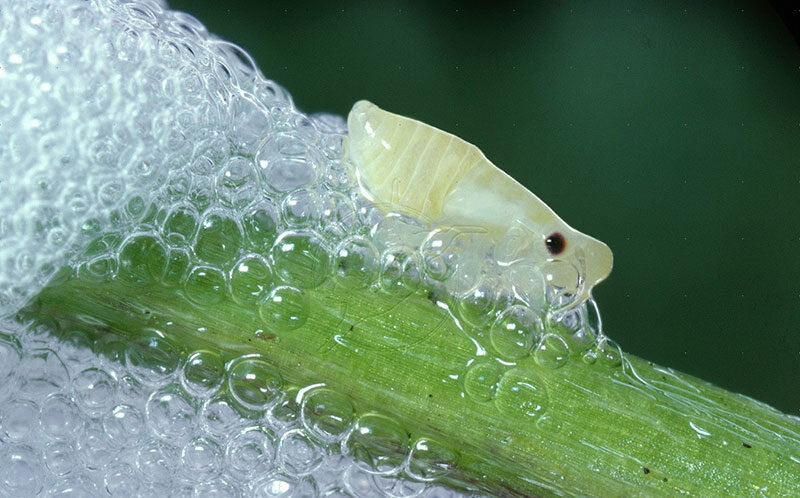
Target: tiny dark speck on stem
746,445
269,336
645,470
430,395
351,328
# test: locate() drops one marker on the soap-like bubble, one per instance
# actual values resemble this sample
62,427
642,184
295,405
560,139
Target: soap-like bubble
16,416
260,225
251,278
357,262
521,396
120,478
61,457
552,352
218,415
298,454
206,286
219,238
285,308
59,418
301,258
156,460
326,414
286,164
237,183
431,459
481,379
181,225
96,447
94,390
20,469
253,382
379,443
125,425
515,332
152,359
251,452
400,273
301,208
201,458
203,372
170,413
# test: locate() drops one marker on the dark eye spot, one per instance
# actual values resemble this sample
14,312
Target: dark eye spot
555,243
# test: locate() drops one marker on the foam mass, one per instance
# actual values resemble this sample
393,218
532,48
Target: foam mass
127,127
107,107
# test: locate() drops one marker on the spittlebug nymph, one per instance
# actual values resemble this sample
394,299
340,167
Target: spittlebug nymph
414,169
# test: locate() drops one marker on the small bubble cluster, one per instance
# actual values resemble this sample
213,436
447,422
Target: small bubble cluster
145,149
157,425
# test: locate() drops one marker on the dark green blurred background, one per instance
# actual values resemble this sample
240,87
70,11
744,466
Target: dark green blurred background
669,130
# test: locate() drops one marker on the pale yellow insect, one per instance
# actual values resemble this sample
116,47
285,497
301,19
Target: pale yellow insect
421,171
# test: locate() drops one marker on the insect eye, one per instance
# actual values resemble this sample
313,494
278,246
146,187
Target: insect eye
555,243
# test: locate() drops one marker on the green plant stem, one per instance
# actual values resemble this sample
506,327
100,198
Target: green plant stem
591,429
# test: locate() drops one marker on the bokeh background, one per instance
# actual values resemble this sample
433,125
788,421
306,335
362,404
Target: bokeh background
669,130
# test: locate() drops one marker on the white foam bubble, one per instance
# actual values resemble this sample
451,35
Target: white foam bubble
102,105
